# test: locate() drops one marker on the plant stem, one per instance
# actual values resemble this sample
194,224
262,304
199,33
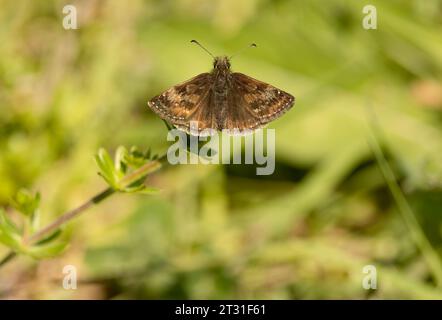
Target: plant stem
69,216
129,179
8,257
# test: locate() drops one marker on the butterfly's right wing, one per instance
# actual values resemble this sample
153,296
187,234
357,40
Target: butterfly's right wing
186,102
252,103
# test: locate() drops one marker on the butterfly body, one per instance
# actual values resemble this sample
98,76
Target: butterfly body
221,100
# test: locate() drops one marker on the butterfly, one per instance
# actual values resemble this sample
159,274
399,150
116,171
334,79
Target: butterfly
220,100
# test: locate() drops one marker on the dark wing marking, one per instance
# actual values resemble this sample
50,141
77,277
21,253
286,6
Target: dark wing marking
186,102
253,104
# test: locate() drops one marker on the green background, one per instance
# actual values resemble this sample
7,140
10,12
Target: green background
218,231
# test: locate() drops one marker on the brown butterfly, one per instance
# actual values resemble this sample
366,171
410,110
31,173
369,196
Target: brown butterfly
221,100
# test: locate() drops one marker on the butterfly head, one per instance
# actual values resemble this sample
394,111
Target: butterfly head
221,64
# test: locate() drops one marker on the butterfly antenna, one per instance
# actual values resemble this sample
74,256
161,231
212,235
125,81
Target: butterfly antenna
252,45
196,42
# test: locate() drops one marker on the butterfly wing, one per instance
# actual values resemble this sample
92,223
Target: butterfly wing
252,103
186,102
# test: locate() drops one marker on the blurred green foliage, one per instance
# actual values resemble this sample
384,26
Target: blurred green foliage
221,231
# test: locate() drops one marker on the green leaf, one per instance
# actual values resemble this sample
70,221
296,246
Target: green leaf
47,250
10,240
107,169
26,202
148,154
8,224
149,190
120,159
50,238
35,221
114,173
135,189
136,158
10,235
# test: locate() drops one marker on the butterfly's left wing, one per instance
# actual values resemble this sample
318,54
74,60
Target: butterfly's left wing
190,101
252,103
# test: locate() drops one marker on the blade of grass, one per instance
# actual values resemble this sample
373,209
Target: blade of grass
430,255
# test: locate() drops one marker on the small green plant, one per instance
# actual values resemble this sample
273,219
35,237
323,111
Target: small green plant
126,173
115,172
15,234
